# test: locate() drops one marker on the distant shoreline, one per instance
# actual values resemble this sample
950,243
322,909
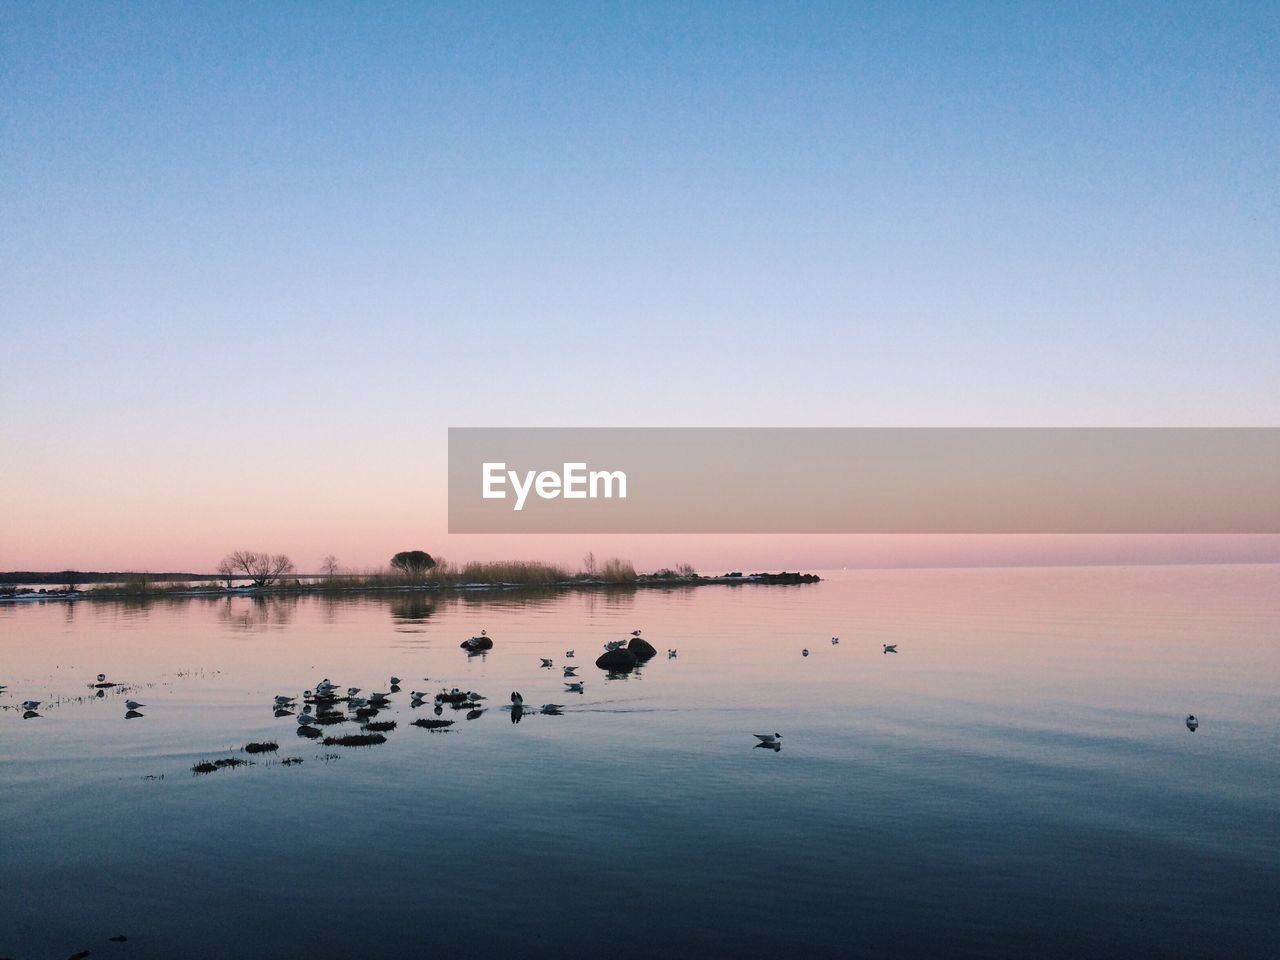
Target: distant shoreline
332,589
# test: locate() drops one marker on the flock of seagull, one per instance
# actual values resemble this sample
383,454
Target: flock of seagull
327,694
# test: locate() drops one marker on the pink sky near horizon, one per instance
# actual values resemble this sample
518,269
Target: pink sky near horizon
196,546
181,503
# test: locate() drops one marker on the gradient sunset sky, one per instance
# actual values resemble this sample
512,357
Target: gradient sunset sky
256,259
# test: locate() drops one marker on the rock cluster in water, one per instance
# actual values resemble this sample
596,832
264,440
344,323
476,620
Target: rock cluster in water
625,659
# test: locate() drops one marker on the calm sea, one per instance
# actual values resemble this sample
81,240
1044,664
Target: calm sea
1018,780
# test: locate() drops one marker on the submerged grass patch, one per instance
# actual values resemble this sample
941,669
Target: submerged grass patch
431,724
355,740
266,746
380,726
205,766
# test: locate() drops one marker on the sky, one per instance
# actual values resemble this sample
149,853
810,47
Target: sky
255,259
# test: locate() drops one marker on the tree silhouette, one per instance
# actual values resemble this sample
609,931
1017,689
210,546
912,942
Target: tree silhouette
413,563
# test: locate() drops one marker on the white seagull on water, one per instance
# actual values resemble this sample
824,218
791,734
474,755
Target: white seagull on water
768,738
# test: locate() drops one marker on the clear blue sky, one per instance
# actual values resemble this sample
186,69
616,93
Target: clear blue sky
288,245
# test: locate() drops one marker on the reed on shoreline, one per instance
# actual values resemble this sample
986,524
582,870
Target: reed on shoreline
613,572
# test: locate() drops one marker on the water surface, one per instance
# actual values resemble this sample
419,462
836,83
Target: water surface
1016,781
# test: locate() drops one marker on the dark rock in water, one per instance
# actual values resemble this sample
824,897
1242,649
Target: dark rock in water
265,747
427,724
120,939
642,649
618,661
311,733
475,644
355,740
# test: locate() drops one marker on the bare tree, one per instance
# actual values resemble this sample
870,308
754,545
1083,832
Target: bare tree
262,569
228,573
589,564
329,566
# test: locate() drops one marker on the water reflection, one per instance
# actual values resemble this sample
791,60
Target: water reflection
1026,741
414,608
253,614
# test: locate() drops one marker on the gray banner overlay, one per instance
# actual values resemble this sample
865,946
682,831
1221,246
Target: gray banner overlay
864,480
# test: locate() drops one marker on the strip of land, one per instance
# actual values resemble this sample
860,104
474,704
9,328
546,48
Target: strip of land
25,586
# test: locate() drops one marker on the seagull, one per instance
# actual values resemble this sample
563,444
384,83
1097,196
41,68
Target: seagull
568,653
418,695
516,699
475,697
280,701
834,641
769,739
305,717
890,648
805,652
102,678
570,671
324,688
31,704
575,687
357,702
615,644
352,691
635,633
545,661
671,654
134,704
1192,722
395,681
552,709
379,697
